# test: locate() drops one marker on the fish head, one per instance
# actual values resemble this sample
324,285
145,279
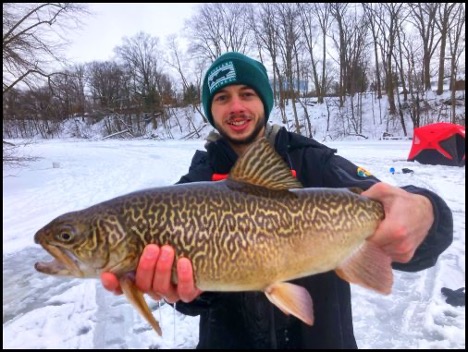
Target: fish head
77,245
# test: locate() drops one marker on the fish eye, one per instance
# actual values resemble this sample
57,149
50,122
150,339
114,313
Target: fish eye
65,236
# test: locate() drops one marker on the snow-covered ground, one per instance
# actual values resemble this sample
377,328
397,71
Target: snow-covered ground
41,311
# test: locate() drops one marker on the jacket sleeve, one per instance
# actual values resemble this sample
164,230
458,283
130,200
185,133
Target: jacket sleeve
199,304
340,172
199,169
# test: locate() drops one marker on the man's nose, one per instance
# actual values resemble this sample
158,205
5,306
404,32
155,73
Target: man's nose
237,105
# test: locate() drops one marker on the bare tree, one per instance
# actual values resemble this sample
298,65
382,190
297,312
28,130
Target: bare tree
12,155
142,59
352,44
338,12
356,59
369,10
182,69
410,50
456,36
142,56
79,82
217,28
31,40
424,17
266,36
444,21
292,40
315,15
403,82
106,82
288,36
389,23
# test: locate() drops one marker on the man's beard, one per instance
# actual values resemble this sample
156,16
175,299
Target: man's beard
247,140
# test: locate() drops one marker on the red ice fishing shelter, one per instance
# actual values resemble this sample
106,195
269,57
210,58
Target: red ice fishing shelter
439,144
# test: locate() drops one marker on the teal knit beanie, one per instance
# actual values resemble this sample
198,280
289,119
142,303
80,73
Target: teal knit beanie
236,68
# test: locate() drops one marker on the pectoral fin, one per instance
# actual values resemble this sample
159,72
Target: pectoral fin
135,297
292,299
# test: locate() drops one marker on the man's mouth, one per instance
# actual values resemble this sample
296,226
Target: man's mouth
238,122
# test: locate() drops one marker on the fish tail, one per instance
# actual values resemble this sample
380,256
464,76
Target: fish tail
369,267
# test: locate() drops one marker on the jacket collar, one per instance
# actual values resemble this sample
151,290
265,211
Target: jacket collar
222,157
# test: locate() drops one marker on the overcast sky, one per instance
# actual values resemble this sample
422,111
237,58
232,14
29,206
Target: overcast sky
104,29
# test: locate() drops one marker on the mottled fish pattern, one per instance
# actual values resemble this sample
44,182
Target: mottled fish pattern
253,231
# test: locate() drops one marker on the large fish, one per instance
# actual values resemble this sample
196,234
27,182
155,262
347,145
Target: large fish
256,230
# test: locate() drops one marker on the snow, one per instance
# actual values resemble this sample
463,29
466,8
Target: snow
41,311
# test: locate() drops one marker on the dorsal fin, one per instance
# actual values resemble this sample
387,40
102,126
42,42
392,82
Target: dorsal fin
262,166
356,190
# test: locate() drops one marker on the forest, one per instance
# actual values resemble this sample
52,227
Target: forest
312,51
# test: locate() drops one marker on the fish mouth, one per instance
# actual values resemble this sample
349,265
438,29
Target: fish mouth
62,265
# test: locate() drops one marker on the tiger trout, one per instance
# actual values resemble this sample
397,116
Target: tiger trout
253,231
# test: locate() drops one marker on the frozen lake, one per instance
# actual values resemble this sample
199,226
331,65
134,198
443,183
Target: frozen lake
40,311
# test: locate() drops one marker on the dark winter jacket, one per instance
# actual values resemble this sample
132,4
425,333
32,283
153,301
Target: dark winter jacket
248,319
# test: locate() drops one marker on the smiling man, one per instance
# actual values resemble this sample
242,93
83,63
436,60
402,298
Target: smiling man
237,111
237,100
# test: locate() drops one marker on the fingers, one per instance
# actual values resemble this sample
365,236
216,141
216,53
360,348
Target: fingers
111,283
383,235
162,284
408,218
186,285
146,267
400,251
154,275
387,233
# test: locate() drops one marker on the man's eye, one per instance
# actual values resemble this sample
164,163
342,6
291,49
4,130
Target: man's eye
249,94
220,98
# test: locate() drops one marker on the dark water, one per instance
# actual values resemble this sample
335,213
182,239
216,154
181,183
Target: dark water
25,289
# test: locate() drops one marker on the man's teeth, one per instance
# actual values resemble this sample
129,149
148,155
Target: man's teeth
238,123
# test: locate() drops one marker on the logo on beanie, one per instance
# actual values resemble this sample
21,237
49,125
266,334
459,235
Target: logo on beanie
221,75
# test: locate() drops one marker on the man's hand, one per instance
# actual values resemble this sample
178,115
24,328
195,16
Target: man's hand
153,276
408,218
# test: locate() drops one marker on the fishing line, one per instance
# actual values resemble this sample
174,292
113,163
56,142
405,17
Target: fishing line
174,315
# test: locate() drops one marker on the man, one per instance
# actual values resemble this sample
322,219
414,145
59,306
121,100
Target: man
237,100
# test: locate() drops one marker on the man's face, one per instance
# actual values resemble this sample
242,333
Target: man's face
238,114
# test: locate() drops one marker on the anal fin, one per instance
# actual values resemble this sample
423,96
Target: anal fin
292,299
136,298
